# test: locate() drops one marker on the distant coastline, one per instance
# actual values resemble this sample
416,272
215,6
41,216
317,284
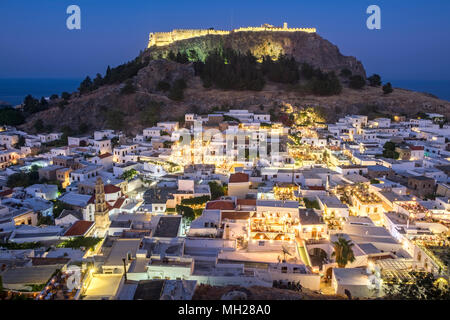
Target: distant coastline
14,90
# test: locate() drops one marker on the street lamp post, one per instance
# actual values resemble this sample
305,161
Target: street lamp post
124,268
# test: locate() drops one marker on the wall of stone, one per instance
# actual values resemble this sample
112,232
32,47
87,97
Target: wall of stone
165,38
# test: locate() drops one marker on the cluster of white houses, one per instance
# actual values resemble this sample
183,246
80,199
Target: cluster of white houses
173,214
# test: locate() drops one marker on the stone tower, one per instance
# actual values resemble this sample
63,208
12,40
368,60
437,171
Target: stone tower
101,208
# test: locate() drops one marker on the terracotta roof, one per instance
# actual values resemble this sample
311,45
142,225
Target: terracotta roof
246,202
109,188
316,188
105,155
238,177
6,193
119,203
92,200
79,228
235,215
220,205
416,147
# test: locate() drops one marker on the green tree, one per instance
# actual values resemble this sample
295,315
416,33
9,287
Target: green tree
418,286
374,80
65,95
31,105
343,252
185,211
307,71
230,70
389,150
283,70
195,201
98,81
22,179
129,174
387,88
59,206
325,84
11,117
85,85
216,189
311,204
20,143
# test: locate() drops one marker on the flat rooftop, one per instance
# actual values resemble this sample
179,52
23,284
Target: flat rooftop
120,249
103,286
167,227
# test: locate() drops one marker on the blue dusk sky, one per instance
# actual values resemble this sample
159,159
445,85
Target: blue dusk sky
414,42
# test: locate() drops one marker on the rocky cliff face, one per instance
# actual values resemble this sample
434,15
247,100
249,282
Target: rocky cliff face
304,47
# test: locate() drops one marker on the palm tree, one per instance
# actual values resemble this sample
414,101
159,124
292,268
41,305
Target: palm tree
343,252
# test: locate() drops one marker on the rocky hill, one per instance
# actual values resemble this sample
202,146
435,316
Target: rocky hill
109,107
304,47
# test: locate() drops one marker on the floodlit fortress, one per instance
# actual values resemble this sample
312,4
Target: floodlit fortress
165,38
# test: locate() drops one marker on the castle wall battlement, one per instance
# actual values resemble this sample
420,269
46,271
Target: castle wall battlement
159,39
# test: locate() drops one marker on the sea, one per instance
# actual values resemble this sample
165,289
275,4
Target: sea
13,91
439,88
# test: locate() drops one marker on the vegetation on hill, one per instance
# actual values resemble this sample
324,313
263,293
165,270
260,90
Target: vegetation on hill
11,117
283,70
230,70
357,82
115,75
387,88
176,92
319,83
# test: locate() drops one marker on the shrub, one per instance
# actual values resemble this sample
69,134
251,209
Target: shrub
357,82
345,73
387,88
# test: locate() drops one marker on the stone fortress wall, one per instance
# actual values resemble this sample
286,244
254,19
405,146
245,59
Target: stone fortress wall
165,38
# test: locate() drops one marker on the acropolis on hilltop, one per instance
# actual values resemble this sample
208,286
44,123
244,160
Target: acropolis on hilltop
165,38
